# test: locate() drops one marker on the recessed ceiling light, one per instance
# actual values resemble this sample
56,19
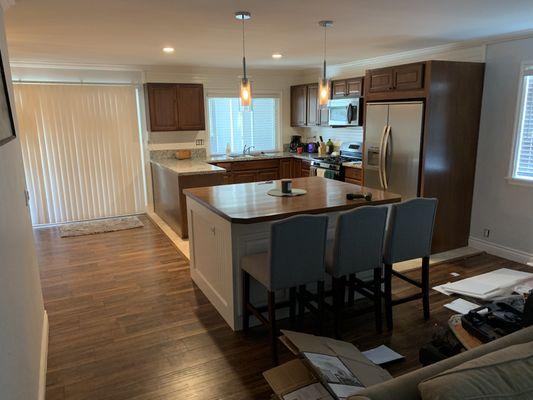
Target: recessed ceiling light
168,50
277,56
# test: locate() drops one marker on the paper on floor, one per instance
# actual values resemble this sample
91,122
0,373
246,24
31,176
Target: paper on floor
440,289
382,354
461,306
489,285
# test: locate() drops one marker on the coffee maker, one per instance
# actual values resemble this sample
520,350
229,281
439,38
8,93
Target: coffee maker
295,142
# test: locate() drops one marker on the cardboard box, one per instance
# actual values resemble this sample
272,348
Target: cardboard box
300,373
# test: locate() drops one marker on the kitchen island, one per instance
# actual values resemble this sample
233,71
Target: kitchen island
230,221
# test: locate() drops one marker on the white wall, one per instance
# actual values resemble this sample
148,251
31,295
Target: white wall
21,306
504,208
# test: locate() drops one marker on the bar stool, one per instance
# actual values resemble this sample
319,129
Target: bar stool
285,266
358,247
409,236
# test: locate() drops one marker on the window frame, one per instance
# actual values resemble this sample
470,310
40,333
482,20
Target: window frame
526,69
233,94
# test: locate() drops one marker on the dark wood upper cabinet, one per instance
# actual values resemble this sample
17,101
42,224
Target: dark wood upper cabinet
191,107
408,77
379,80
338,89
351,87
162,107
175,107
390,82
305,105
299,105
354,87
312,105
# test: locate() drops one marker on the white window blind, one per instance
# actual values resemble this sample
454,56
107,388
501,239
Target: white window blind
227,124
81,150
523,157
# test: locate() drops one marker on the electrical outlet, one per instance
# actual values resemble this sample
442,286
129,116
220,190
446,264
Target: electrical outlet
199,142
486,233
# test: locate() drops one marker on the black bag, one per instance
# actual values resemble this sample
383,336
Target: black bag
499,318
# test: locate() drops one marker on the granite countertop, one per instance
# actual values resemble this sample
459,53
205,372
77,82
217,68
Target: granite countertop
265,156
197,166
353,164
189,167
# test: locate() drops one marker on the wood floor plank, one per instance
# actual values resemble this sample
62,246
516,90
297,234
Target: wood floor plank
127,322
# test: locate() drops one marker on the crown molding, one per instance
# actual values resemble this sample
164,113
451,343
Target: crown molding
427,52
5,4
74,66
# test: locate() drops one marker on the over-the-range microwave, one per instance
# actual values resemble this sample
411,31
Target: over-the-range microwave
345,112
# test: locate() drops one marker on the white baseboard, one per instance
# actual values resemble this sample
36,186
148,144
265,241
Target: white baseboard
44,358
501,251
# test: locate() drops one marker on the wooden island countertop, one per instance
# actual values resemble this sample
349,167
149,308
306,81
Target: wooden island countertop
248,203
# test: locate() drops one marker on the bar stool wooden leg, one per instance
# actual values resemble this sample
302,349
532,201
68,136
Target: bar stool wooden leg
272,325
425,286
377,299
388,295
301,306
351,290
320,305
292,307
338,303
245,301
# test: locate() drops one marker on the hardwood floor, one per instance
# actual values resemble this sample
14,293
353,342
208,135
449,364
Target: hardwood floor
126,322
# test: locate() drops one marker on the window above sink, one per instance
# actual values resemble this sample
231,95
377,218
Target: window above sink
258,129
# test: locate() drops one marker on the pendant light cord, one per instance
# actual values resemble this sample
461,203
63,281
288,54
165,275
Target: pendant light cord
243,50
325,30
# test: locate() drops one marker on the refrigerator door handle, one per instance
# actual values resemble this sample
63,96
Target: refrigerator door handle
384,157
380,165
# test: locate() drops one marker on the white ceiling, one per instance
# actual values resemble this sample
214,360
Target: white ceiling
204,32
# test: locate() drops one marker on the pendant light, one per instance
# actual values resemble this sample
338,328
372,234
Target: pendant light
245,92
324,84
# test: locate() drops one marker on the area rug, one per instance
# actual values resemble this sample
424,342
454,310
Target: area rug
99,226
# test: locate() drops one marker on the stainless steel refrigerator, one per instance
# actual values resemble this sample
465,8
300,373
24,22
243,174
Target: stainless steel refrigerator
393,136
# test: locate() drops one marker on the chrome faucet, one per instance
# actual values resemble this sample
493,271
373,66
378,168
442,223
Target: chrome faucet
247,149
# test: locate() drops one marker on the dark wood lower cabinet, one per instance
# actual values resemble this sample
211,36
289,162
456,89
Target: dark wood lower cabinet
306,169
243,177
353,175
261,170
285,168
296,170
267,175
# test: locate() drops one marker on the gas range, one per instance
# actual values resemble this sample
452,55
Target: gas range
332,162
349,152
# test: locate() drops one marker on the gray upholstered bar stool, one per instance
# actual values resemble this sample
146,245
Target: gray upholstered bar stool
358,247
285,266
409,236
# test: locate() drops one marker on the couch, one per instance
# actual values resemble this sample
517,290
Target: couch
406,387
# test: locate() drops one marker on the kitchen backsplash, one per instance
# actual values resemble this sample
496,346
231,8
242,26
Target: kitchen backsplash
197,153
337,135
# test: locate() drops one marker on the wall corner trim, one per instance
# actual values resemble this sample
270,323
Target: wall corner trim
44,357
501,251
5,4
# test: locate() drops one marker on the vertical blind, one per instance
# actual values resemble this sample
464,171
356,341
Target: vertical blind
227,124
81,150
523,163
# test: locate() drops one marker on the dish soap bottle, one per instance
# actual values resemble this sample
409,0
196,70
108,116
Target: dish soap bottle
228,149
329,146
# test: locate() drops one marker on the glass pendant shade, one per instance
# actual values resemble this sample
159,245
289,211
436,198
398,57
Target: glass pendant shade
245,94
324,86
